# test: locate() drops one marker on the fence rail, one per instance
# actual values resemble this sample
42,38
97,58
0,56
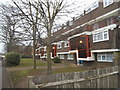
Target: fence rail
100,78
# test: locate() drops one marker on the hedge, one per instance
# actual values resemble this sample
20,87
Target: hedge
12,59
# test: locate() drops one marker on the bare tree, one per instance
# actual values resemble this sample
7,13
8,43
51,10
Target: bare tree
41,14
29,13
49,10
10,36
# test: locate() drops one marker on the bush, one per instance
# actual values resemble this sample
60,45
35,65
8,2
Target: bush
56,60
12,59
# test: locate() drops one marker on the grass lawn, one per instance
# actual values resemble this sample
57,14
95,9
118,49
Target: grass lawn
17,76
68,69
29,62
20,76
26,62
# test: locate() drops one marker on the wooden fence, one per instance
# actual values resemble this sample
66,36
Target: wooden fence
99,78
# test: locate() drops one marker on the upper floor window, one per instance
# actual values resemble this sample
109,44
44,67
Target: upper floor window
110,21
59,45
93,6
95,26
66,44
101,36
45,48
107,2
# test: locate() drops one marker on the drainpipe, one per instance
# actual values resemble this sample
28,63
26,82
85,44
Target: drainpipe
118,53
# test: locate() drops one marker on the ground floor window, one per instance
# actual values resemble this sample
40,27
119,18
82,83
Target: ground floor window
61,56
70,56
105,57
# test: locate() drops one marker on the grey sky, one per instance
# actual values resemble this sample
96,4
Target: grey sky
79,5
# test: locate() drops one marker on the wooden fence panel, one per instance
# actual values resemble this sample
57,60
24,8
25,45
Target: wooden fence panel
100,78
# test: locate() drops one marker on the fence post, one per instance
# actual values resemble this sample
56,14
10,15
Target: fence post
119,51
117,58
30,79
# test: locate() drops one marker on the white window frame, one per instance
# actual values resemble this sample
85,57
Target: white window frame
70,56
105,55
98,38
61,56
110,21
107,2
93,6
66,44
59,45
45,48
95,26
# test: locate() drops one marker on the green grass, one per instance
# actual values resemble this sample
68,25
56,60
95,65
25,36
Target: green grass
69,69
29,62
16,76
25,62
20,75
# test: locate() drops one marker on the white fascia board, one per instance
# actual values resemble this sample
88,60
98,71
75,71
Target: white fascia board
103,16
42,47
63,53
58,42
95,31
43,57
107,14
86,59
83,33
54,43
73,51
94,20
105,50
112,26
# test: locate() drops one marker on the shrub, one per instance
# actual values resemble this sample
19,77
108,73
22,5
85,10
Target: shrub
12,59
56,60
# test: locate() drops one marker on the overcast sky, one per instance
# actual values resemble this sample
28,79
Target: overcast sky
79,5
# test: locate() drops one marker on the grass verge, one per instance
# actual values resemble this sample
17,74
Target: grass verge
69,69
17,76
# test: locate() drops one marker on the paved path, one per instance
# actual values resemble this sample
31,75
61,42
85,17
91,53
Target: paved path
0,75
40,67
6,81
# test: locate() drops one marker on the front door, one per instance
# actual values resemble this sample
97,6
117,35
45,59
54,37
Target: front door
83,47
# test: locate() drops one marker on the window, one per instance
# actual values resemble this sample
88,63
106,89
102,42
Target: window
66,44
105,57
110,21
59,45
45,48
70,56
61,56
95,26
105,35
93,6
101,36
107,2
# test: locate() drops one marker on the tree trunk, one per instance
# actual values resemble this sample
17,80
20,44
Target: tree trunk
34,47
49,66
